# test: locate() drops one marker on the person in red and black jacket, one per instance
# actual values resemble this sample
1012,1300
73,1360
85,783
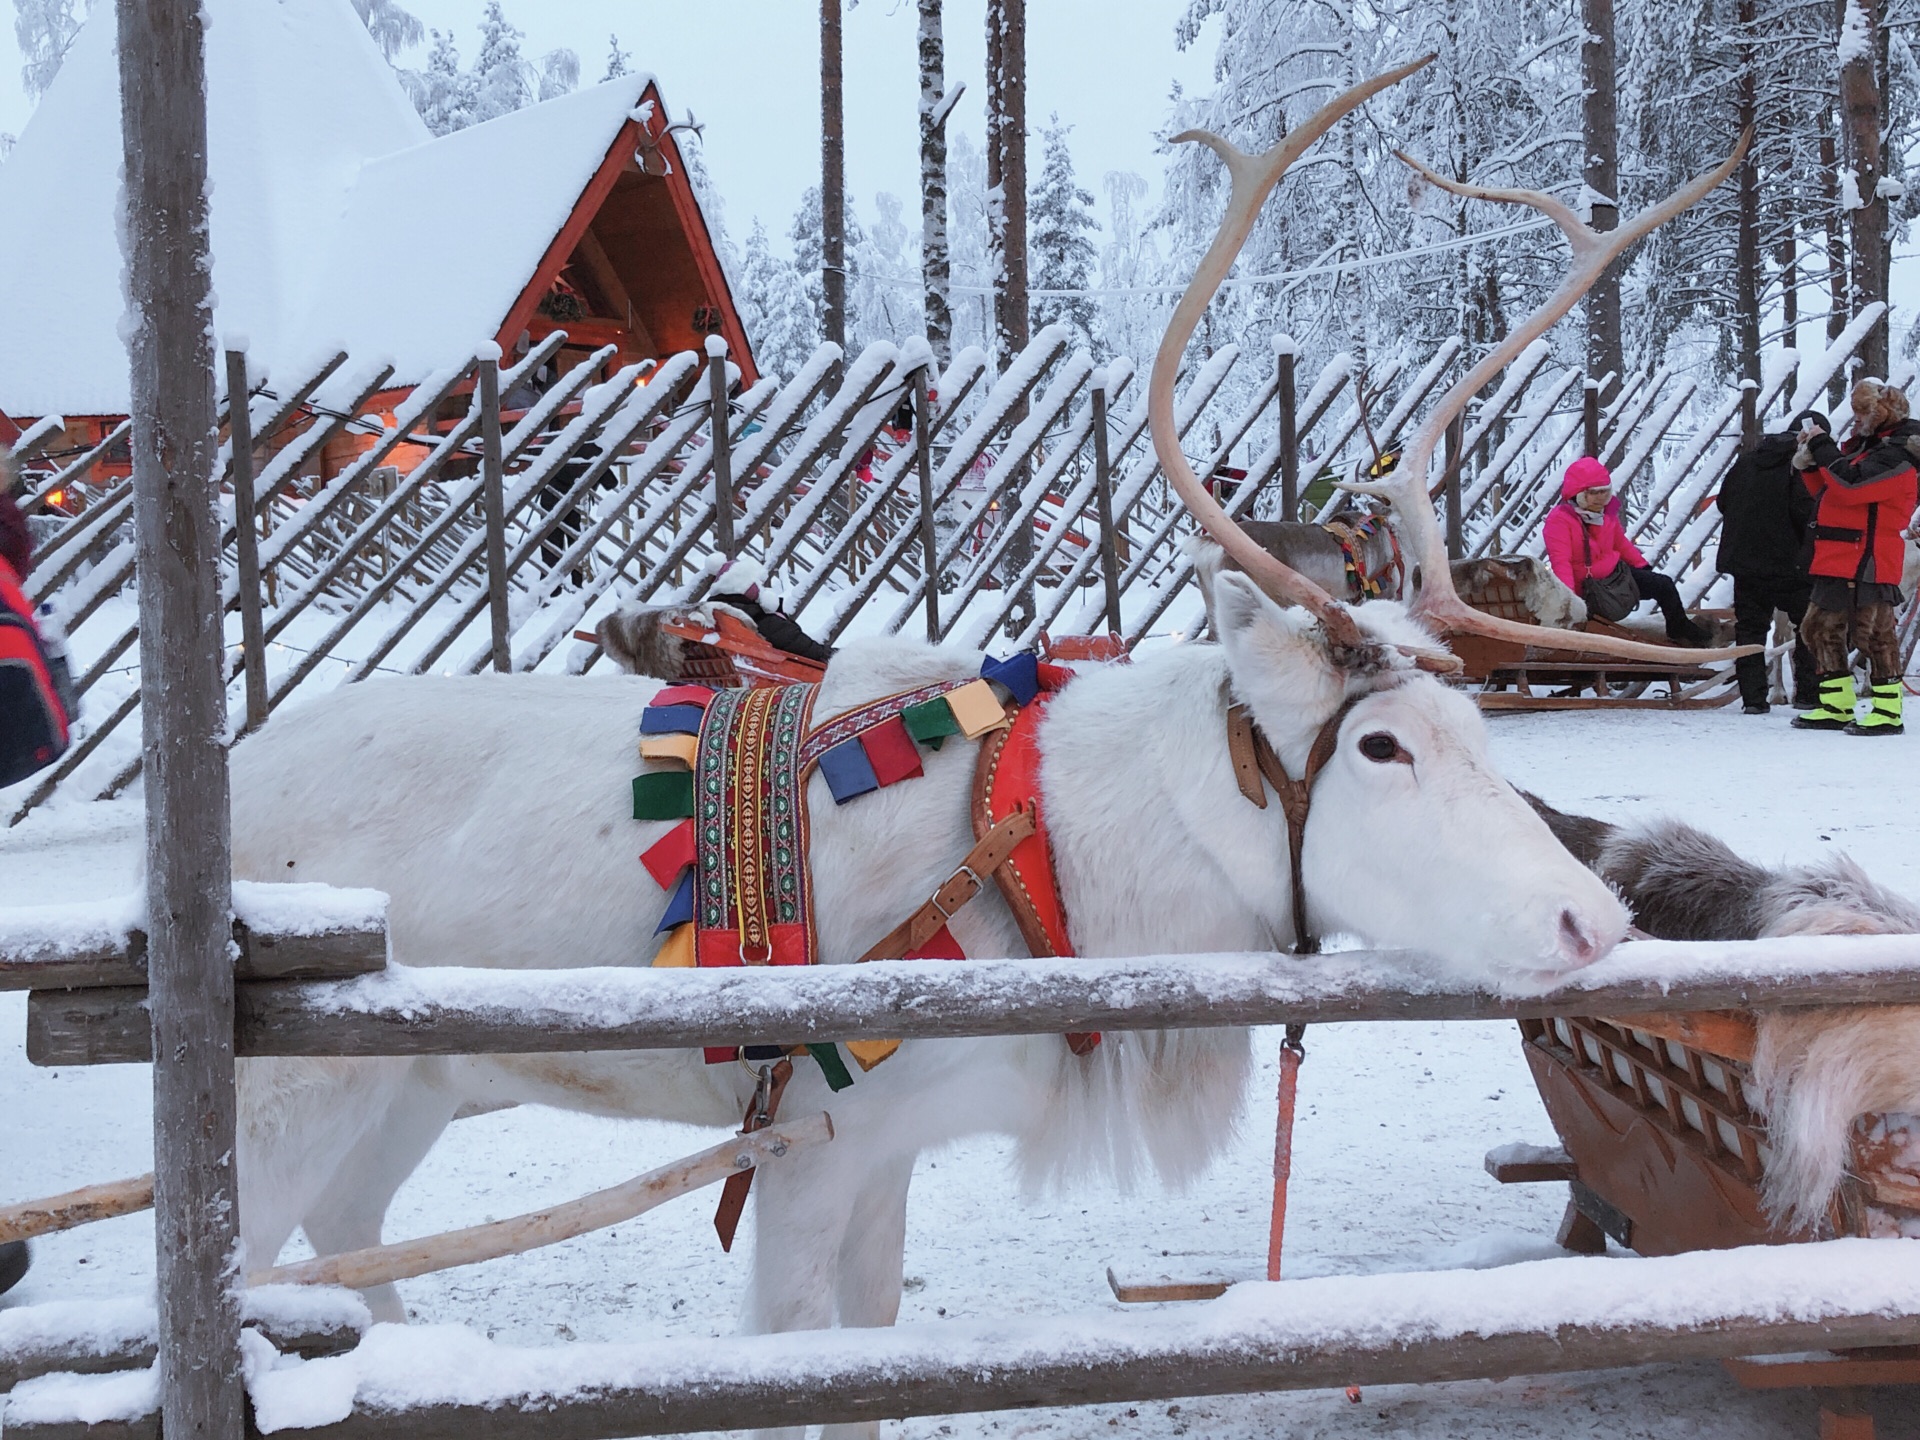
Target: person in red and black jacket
1866,492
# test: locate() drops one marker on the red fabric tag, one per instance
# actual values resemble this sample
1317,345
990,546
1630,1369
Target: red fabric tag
1052,677
722,1054
940,946
683,695
891,751
670,854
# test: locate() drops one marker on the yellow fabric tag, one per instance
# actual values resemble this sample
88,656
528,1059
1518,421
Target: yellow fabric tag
671,747
870,1052
976,708
676,953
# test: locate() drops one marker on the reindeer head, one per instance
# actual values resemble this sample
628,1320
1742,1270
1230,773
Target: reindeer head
1413,838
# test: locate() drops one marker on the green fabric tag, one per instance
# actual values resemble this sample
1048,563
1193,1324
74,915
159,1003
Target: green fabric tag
663,795
832,1067
931,722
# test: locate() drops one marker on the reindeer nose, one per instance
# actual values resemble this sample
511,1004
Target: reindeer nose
1577,944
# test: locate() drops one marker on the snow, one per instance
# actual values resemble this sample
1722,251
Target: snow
1394,1120
303,909
337,218
1856,39
50,932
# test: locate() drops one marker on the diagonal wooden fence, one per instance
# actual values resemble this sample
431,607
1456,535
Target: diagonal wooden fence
453,530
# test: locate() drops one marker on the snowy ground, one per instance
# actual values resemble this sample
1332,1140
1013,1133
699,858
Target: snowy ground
1394,1121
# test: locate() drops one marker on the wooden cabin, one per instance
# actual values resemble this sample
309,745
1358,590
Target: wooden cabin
341,223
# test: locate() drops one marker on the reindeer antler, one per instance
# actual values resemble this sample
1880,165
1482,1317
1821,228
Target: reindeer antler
1254,177
1435,598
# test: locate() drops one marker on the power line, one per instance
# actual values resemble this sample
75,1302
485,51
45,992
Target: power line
1308,272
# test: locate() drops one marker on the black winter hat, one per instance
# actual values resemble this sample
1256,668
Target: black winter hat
1799,422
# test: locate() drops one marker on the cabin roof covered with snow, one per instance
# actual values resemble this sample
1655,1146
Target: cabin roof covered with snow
339,221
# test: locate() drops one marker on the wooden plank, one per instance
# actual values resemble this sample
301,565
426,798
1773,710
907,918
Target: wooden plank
1522,1164
448,1011
78,949
1159,1289
1322,1333
1879,1365
109,1335
76,1207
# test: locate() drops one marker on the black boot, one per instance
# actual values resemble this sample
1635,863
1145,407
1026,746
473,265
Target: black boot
14,1260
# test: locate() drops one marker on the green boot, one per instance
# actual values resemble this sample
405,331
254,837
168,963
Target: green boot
1884,717
1835,708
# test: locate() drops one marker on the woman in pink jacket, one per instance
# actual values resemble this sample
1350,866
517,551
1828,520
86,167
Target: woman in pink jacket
1585,538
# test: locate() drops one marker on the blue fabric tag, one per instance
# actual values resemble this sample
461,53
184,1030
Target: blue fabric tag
847,771
1019,673
671,720
680,907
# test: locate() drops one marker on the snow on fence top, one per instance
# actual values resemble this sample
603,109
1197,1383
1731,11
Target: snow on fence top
1532,1318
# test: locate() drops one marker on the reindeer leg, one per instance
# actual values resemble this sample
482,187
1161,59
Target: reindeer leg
801,1210
349,1213
872,1257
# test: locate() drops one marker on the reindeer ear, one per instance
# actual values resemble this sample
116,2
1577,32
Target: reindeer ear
1278,655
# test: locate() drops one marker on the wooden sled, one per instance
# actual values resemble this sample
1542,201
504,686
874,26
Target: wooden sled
1663,1147
1513,676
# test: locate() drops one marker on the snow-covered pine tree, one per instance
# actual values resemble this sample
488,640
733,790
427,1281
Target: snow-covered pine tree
969,245
775,307
45,30
1060,225
805,233
883,303
1131,314
504,82
616,60
393,28
443,93
501,81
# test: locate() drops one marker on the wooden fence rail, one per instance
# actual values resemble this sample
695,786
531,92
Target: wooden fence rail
368,529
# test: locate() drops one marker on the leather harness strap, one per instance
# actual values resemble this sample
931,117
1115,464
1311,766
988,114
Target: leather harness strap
989,853
1253,757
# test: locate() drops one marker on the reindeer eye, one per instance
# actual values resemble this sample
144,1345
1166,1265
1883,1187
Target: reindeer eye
1380,747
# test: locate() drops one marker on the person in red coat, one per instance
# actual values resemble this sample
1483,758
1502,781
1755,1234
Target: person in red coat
1865,490
1584,537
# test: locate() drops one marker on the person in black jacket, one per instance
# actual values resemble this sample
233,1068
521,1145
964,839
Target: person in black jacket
1766,517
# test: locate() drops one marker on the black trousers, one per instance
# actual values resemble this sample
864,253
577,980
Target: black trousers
1755,598
1660,589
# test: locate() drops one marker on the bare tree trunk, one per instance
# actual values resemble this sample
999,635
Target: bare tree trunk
1836,251
833,177
1860,104
183,719
1602,173
1746,263
1007,192
935,106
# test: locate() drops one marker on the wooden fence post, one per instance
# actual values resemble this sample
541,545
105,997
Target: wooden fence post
1450,481
923,463
246,540
1590,416
1287,353
1749,415
1103,493
493,500
163,119
722,451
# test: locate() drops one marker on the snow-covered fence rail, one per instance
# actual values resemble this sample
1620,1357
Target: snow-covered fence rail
280,932
449,1011
1541,1317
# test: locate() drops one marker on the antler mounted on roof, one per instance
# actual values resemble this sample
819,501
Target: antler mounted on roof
1254,178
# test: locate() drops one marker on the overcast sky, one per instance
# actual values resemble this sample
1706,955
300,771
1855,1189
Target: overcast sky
750,71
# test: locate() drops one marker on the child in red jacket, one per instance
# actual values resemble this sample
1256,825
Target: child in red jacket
1866,492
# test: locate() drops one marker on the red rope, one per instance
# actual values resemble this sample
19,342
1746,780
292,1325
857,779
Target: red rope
1291,1054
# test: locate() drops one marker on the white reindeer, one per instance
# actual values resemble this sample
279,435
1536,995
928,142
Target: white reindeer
493,811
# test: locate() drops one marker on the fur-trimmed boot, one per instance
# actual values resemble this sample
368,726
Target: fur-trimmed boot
1835,708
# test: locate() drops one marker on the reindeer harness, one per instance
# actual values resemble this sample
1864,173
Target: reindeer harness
1352,540
736,863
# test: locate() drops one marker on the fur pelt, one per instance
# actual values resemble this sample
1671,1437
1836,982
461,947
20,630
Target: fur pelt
634,641
1817,1069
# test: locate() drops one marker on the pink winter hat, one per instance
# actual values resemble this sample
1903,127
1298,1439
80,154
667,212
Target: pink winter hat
1584,474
